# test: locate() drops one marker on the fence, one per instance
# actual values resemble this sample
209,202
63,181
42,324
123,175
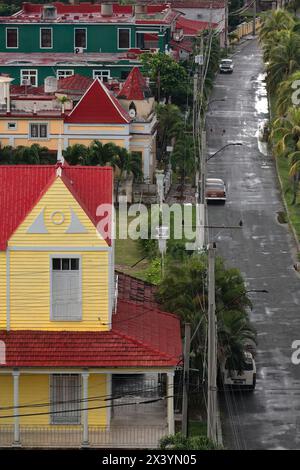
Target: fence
71,437
244,29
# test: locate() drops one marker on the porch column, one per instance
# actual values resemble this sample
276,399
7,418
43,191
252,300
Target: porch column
170,404
85,404
16,375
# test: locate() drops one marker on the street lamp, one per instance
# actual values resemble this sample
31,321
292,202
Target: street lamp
222,148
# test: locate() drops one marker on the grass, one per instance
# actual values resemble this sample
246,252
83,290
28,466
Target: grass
293,210
197,428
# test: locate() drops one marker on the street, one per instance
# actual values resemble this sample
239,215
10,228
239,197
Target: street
263,250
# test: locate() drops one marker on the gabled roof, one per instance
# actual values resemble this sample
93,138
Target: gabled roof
98,106
22,186
135,86
140,337
193,27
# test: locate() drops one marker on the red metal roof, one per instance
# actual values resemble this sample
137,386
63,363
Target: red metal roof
135,290
139,338
193,27
91,13
135,86
22,186
98,106
74,83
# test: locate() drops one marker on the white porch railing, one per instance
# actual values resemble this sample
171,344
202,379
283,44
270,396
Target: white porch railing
71,436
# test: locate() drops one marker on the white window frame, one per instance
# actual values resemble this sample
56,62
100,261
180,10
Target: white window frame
118,39
6,42
46,47
12,128
64,71
86,38
61,256
22,71
77,405
39,123
96,71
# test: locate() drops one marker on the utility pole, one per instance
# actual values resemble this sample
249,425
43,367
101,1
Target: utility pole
212,349
186,378
226,24
254,19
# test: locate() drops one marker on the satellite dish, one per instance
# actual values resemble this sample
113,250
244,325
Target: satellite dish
132,113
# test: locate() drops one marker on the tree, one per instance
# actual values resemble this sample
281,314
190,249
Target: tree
126,164
101,154
170,123
76,154
184,291
285,93
284,59
183,157
167,76
276,20
32,155
286,142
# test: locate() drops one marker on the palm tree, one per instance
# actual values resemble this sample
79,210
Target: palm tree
126,164
277,20
76,154
234,334
63,100
286,92
183,157
170,122
33,155
284,59
286,137
184,291
101,154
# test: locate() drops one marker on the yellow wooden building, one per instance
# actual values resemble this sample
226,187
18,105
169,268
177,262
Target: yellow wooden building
64,338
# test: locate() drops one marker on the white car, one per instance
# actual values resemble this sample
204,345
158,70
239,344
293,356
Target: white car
241,380
226,66
215,190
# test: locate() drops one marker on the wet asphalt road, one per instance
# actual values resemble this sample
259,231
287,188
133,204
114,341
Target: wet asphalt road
264,251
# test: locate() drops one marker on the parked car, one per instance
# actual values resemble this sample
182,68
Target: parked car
241,380
226,66
215,190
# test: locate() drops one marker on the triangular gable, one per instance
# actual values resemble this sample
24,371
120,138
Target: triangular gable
98,106
62,217
135,86
22,186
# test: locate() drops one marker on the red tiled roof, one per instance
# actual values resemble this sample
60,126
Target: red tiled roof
193,27
185,45
22,186
132,289
135,86
139,338
98,106
74,83
197,4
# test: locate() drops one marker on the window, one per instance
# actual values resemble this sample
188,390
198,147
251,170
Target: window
66,289
12,37
80,38
29,77
46,38
11,126
38,131
63,73
123,38
65,396
104,75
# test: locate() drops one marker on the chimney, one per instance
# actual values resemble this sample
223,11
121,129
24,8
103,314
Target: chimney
106,9
34,108
140,9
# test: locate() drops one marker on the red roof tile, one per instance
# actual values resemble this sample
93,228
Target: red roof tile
132,289
74,83
193,27
98,106
22,186
135,86
139,338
